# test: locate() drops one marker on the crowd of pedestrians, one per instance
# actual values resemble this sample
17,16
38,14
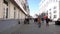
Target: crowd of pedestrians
38,20
44,19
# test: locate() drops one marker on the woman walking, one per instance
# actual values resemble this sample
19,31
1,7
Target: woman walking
39,22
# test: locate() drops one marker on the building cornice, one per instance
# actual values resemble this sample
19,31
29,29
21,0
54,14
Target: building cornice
18,4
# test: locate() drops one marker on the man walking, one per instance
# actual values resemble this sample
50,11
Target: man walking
47,21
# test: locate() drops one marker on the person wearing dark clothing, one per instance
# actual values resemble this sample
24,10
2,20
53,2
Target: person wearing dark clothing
47,21
35,20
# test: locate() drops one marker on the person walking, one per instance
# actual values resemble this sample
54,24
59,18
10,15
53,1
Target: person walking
47,21
39,22
42,20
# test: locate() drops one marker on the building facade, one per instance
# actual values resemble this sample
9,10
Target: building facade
12,11
51,8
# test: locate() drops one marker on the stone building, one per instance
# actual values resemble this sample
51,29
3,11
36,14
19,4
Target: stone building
11,11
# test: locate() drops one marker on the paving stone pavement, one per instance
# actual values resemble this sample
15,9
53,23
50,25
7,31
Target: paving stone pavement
32,28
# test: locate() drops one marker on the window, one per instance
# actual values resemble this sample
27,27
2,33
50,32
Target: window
24,6
6,12
55,11
54,16
54,7
49,9
5,2
14,12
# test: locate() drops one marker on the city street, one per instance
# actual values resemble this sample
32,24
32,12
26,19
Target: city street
21,16
32,28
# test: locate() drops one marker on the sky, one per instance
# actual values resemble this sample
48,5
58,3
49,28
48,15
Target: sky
33,6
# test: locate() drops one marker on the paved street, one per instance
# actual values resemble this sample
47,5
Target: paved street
32,28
